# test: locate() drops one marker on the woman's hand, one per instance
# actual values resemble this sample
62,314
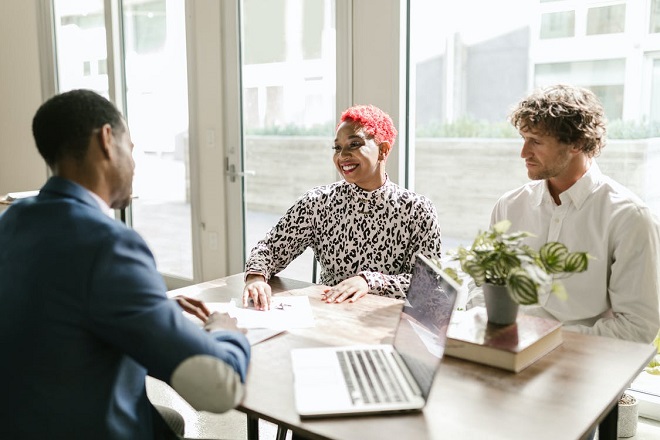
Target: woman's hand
354,288
193,306
257,290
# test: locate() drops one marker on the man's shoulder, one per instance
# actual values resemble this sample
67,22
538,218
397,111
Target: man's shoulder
620,202
525,191
618,191
86,221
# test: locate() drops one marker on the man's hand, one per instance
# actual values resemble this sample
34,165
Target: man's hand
257,290
193,306
354,288
222,321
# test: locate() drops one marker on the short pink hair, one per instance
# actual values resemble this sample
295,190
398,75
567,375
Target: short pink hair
373,120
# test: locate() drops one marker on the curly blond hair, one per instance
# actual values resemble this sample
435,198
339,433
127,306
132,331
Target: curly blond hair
573,115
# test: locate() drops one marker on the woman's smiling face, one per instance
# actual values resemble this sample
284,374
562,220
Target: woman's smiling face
358,158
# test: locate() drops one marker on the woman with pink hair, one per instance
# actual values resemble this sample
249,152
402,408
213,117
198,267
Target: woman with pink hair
365,230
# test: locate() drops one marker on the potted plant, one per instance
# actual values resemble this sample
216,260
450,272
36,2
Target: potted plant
629,405
513,273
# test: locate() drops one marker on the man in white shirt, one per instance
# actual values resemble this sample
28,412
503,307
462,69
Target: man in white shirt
569,200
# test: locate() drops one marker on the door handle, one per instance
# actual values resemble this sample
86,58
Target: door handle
233,174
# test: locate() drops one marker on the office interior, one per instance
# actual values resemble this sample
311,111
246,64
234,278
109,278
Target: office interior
441,71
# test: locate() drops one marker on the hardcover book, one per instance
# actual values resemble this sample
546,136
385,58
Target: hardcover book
512,347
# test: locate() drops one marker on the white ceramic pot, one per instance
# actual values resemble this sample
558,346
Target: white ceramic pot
628,414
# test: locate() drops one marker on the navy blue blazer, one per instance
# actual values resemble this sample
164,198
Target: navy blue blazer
84,317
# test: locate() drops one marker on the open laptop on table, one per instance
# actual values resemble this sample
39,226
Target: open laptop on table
367,379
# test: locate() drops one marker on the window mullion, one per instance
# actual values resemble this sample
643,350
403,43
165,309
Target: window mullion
115,54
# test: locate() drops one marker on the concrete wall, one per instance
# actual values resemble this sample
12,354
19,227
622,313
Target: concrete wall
285,167
463,177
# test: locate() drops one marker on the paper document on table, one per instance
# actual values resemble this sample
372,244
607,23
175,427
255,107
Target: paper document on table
220,307
286,312
254,335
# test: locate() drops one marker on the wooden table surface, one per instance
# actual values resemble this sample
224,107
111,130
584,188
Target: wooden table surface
565,395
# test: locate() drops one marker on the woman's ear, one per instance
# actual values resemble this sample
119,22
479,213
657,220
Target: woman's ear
384,150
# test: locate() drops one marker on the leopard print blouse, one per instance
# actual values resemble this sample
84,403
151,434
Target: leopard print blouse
374,234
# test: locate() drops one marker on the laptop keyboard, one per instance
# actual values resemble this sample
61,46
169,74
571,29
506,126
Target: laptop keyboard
369,376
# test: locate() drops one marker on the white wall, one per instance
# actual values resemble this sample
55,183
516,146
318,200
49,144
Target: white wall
21,167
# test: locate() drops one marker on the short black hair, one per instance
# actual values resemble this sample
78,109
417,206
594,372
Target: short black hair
63,125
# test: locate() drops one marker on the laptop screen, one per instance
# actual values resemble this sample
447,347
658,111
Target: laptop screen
422,330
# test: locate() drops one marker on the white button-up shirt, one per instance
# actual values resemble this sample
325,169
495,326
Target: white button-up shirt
618,294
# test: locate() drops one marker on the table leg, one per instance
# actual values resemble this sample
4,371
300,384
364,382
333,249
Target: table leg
281,433
607,430
252,427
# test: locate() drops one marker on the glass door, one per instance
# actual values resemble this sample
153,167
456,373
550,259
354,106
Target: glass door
154,41
150,87
80,45
288,71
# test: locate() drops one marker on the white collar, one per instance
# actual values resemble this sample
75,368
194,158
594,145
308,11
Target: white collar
102,205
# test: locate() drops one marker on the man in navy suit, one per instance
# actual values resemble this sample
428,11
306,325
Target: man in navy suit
84,316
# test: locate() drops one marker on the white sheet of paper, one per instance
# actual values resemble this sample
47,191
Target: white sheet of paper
254,335
220,307
286,312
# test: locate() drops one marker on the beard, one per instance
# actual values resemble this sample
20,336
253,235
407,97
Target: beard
124,196
558,165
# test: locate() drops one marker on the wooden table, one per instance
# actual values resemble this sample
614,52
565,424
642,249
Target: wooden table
565,395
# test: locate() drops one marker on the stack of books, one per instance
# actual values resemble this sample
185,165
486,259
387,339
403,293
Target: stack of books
512,347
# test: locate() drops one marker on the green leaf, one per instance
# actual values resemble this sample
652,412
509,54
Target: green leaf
502,258
473,269
522,288
576,262
553,254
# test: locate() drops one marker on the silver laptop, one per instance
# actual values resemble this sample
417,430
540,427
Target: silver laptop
364,379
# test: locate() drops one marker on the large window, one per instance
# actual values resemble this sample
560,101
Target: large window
468,70
288,110
606,19
81,45
467,73
604,77
558,24
156,107
654,25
